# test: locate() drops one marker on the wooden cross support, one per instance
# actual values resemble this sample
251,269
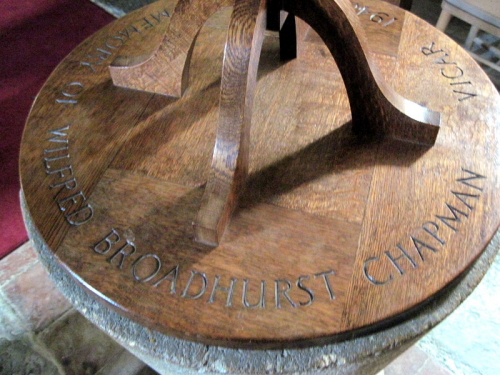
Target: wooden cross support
377,110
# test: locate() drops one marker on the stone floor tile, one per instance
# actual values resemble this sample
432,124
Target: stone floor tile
149,371
468,341
79,346
35,298
410,362
10,324
17,262
415,361
19,357
433,368
124,364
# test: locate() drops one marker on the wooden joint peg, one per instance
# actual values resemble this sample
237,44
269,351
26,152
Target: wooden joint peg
376,107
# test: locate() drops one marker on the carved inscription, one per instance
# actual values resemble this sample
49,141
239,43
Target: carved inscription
70,200
69,93
430,238
102,53
381,18
450,70
196,285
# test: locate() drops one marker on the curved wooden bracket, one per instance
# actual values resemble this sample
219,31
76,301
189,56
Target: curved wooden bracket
166,70
230,158
376,108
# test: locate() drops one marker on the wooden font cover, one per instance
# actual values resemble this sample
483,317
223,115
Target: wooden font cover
153,191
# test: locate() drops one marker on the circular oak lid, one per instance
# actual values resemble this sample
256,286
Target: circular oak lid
333,235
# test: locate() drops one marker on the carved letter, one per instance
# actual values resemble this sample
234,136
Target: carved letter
101,56
419,245
170,276
60,135
327,283
160,14
261,302
460,83
468,95
460,73
52,150
305,289
442,61
370,277
46,161
108,241
120,40
126,32
124,254
462,197
61,171
392,20
71,91
80,216
68,184
429,50
147,25
188,285
404,254
474,176
73,199
377,17
229,291
455,217
433,233
153,274
278,291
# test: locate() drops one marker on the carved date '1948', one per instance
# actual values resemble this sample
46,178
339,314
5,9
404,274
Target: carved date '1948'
378,17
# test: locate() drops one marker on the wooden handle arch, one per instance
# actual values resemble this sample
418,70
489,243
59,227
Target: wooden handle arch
376,108
230,158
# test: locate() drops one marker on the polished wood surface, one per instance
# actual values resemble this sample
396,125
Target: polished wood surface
338,234
165,70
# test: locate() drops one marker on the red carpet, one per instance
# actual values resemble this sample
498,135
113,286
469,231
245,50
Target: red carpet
35,35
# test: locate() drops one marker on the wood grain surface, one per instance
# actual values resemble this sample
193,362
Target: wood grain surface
165,70
377,110
334,235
